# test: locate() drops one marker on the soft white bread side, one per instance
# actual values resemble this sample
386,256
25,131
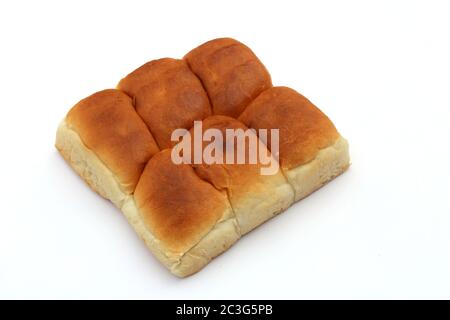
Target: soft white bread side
86,163
108,124
107,143
221,236
328,164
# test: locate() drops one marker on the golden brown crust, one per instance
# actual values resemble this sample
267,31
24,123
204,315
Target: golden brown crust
231,73
253,196
108,125
176,205
167,96
189,214
235,178
304,129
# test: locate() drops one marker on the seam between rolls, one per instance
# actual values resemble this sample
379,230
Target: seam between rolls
133,103
217,223
280,168
287,182
211,107
210,99
198,176
245,108
243,64
179,260
319,151
227,193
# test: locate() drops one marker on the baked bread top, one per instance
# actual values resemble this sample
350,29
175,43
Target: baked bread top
224,84
304,129
108,124
167,96
232,74
177,206
125,127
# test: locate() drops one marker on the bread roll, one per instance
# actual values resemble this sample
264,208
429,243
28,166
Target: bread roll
254,197
167,96
107,143
231,73
119,142
312,152
185,221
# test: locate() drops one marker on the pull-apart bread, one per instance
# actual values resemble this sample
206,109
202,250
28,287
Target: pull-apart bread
311,151
120,141
254,197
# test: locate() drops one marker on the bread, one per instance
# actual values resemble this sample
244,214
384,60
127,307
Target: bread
167,96
106,126
120,142
188,220
312,152
231,73
254,197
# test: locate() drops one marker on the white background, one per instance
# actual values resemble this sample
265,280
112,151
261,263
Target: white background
379,69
